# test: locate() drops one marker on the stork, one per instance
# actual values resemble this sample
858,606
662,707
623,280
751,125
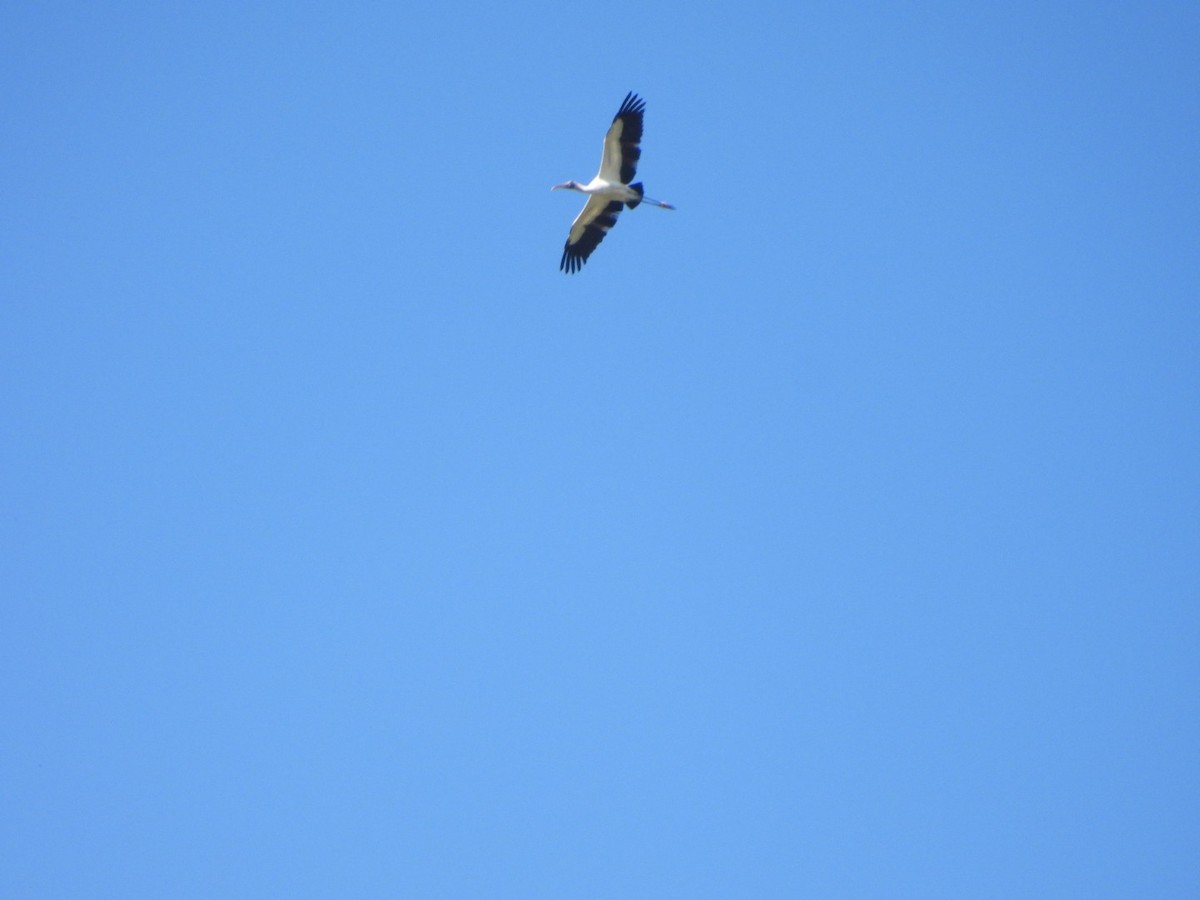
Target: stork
610,190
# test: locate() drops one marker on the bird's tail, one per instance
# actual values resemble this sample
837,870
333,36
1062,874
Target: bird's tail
632,204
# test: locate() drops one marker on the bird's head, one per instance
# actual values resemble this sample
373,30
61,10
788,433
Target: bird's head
566,186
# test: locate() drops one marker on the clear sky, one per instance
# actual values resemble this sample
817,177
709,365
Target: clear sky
836,535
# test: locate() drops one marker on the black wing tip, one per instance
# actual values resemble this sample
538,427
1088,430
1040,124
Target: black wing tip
631,104
572,259
571,262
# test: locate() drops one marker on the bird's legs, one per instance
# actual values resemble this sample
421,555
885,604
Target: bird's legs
657,203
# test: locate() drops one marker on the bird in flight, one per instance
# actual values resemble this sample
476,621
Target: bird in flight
610,190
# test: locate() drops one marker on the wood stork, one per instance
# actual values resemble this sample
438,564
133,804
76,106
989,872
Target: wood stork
610,189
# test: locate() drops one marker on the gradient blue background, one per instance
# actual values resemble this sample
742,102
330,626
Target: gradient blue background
837,535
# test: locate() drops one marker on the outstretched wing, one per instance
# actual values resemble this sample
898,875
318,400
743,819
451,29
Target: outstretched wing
622,143
587,231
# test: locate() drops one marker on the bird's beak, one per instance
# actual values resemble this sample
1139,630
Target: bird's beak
558,187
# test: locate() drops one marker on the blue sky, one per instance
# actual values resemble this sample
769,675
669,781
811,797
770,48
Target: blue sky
833,536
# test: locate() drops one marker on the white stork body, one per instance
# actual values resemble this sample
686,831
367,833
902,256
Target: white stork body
610,190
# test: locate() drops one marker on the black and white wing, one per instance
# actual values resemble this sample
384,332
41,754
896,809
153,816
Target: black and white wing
622,144
588,230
